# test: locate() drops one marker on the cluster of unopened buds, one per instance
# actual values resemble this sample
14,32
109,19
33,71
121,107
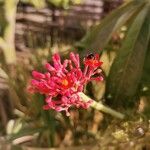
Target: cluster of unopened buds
64,82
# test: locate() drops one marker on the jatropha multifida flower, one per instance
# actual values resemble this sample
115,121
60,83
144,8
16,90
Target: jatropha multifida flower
64,80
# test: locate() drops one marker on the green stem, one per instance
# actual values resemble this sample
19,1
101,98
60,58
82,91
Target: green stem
8,41
101,107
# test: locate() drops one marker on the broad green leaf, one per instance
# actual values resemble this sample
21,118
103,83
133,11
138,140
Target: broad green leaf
99,36
127,68
146,72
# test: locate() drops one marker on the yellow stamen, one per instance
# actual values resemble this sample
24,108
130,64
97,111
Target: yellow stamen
65,82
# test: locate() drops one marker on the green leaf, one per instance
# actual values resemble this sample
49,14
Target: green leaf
49,119
99,36
126,70
145,81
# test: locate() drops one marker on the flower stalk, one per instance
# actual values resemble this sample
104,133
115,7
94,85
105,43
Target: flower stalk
63,83
101,107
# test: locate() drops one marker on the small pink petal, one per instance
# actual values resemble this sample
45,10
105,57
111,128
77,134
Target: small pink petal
38,75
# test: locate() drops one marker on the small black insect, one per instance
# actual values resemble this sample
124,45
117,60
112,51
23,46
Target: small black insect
90,56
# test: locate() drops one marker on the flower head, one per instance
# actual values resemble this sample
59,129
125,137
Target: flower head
63,81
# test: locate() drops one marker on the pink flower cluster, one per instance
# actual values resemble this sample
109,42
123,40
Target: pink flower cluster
62,81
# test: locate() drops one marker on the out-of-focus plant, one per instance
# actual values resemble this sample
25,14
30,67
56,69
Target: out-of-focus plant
7,49
31,122
127,68
7,43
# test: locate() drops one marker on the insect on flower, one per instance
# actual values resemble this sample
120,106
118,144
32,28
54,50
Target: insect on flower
62,81
92,60
90,56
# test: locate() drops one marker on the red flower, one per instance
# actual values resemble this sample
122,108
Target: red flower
93,61
63,81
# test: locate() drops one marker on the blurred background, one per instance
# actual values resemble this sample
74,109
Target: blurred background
31,31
